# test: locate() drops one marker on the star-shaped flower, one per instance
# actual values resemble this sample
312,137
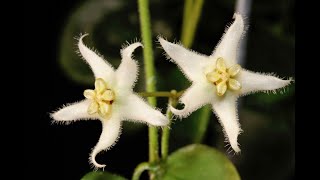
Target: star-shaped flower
112,101
218,80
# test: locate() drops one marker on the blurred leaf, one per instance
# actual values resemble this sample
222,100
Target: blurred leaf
202,125
196,131
91,17
271,98
99,175
198,161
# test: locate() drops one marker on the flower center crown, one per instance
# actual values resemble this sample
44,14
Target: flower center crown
223,77
102,98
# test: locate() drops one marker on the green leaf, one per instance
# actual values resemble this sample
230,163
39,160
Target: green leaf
100,175
263,99
107,23
196,125
199,162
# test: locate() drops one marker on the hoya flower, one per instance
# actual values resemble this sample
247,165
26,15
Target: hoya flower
112,100
218,80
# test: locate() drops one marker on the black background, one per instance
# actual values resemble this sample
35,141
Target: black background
49,149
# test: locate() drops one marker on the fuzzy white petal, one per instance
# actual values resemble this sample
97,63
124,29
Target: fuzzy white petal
226,110
227,48
195,97
99,67
137,109
73,112
253,82
191,63
110,132
127,72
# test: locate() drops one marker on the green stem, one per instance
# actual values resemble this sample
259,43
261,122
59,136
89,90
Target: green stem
139,170
186,10
145,27
155,94
166,130
192,12
161,94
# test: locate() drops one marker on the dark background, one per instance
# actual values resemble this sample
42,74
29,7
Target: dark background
61,152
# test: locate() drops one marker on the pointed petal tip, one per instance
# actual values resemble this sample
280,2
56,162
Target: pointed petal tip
286,82
289,80
279,83
100,67
54,116
182,113
160,39
57,116
92,160
238,18
128,50
83,35
235,147
232,139
60,117
80,43
237,15
164,43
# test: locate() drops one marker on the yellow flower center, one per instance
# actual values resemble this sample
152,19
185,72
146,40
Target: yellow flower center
102,98
223,77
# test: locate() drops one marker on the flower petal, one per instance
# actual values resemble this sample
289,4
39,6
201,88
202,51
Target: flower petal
72,112
191,63
135,108
127,72
227,47
110,132
195,97
225,109
100,67
253,82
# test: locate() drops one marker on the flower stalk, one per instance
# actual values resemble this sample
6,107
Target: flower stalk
166,130
145,26
140,169
161,94
191,16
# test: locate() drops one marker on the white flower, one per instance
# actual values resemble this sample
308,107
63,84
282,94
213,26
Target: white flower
112,101
218,80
